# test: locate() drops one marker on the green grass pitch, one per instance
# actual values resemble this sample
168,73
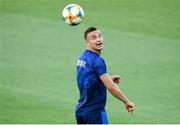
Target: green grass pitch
38,54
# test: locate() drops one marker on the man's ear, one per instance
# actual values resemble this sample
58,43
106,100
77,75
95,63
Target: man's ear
86,41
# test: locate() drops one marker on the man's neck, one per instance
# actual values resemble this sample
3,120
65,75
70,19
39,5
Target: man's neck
98,52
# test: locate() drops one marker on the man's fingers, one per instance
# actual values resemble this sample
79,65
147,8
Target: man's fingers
130,109
117,79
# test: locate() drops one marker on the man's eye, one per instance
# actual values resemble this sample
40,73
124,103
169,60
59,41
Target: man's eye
93,38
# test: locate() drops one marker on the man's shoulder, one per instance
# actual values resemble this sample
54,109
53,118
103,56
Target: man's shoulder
99,61
99,58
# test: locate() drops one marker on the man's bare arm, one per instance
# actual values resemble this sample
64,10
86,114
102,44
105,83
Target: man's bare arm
116,92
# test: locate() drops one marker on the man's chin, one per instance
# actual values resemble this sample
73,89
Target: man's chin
99,49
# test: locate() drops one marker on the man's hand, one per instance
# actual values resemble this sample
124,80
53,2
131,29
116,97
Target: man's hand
130,107
116,79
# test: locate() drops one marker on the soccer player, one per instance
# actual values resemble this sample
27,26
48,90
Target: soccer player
93,80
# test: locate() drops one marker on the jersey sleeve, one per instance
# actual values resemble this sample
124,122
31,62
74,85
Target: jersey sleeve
100,67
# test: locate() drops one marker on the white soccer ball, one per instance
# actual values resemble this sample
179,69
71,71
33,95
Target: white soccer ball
73,14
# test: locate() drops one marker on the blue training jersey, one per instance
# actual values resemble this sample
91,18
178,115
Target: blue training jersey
90,67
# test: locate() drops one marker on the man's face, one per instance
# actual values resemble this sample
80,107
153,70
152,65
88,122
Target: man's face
95,40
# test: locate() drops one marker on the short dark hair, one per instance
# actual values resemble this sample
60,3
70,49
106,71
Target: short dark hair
88,30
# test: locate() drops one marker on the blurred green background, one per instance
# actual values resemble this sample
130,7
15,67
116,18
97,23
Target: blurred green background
39,52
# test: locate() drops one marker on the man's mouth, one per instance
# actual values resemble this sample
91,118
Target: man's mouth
99,44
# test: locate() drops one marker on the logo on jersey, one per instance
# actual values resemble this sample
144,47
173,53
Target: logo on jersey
81,63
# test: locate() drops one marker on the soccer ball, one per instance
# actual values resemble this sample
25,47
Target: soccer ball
73,14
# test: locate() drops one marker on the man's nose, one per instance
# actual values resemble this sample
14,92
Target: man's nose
99,39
